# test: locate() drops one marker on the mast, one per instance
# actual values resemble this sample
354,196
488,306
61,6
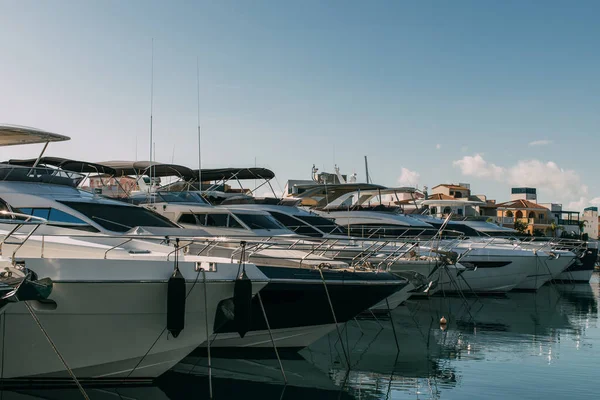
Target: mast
367,169
199,146
151,109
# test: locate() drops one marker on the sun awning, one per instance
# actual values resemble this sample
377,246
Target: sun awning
146,167
66,164
12,135
218,174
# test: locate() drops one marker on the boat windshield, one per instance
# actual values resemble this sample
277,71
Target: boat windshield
169,197
119,218
323,224
259,221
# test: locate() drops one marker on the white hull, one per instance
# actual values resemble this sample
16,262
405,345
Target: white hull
110,328
545,270
491,280
299,337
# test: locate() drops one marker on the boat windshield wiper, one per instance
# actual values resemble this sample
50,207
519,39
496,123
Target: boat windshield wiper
111,222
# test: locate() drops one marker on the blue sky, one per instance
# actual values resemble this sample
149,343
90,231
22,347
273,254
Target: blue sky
430,91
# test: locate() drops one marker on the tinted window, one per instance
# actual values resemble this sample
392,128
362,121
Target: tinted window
58,218
216,220
256,221
188,219
294,225
233,223
119,218
323,224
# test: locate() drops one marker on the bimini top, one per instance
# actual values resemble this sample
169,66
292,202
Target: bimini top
66,164
225,174
319,195
123,168
12,135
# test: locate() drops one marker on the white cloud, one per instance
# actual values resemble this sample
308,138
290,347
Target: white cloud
478,167
548,176
543,142
557,184
408,177
438,146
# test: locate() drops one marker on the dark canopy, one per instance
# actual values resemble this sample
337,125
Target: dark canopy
66,164
143,168
218,174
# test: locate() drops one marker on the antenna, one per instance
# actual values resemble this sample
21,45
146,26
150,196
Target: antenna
151,108
367,170
199,146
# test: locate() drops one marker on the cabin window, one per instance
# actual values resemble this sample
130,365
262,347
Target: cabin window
51,214
257,221
216,220
447,210
57,217
119,218
294,225
233,223
189,219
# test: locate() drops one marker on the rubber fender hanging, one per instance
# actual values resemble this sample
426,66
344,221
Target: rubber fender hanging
176,303
242,303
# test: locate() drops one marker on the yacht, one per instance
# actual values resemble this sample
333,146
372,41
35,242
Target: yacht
125,303
300,283
489,268
551,258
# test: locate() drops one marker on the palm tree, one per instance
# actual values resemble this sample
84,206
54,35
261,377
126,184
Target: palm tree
554,227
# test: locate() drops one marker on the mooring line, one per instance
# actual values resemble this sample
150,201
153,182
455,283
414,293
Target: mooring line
49,339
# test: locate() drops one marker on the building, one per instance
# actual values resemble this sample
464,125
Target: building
457,200
590,216
462,190
524,193
537,217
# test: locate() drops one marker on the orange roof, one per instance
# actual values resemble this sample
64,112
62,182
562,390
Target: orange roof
522,204
450,186
440,196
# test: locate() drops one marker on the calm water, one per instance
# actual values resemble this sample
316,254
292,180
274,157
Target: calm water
524,345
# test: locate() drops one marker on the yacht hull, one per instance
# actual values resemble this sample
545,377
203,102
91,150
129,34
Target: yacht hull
110,329
545,270
492,274
297,305
581,270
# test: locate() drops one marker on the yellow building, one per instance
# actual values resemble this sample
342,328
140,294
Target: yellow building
537,217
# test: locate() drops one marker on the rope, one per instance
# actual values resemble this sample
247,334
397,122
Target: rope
271,335
337,327
64,362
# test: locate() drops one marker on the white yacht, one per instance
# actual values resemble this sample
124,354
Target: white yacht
111,310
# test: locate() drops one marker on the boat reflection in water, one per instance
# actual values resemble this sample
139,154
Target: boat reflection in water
429,359
497,334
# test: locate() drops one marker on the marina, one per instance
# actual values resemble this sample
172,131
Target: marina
114,278
299,200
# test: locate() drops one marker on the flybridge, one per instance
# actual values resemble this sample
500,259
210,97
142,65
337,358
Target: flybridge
12,135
